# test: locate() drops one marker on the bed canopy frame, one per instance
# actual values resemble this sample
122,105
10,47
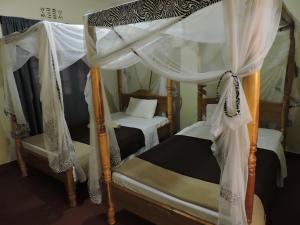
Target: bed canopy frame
251,87
141,205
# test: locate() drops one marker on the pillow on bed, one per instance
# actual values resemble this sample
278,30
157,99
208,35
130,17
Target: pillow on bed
144,108
210,109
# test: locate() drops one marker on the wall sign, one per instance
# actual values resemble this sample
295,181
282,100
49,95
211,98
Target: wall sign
50,13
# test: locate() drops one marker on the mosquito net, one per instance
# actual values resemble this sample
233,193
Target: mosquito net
157,33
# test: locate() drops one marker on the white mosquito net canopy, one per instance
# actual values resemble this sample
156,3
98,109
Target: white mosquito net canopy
160,33
138,77
273,71
56,46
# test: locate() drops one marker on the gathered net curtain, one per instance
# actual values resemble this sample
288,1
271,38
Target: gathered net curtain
56,46
273,71
245,29
139,77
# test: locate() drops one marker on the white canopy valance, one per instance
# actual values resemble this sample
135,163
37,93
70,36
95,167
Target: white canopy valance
160,36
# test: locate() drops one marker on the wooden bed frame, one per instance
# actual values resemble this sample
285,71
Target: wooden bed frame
164,104
42,164
161,214
120,197
25,156
117,196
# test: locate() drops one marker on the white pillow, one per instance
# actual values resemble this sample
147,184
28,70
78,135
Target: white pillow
210,109
141,107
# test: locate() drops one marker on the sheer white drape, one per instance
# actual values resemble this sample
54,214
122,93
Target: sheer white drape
251,29
139,77
274,69
57,46
248,28
94,161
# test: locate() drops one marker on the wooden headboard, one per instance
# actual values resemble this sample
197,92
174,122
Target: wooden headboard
269,112
164,103
144,94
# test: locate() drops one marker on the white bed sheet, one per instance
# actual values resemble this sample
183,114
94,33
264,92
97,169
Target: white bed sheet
193,209
130,121
147,126
159,196
178,204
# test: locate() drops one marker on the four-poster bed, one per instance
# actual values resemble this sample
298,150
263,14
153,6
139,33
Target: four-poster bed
120,194
52,152
234,147
33,150
167,155
164,106
132,131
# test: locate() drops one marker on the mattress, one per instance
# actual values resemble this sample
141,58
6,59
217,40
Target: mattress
130,139
268,139
131,121
197,162
202,203
81,132
36,145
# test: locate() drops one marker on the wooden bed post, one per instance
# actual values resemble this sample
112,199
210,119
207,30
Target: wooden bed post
20,159
251,85
102,141
18,147
119,74
290,72
71,187
200,102
170,104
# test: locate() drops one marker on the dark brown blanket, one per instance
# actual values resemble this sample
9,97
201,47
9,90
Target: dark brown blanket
130,140
193,157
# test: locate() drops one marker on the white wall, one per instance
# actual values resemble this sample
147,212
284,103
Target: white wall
73,10
188,91
294,8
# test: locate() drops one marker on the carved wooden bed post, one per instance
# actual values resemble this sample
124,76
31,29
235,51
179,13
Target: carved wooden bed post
100,129
70,187
119,74
251,85
170,104
20,159
102,140
18,147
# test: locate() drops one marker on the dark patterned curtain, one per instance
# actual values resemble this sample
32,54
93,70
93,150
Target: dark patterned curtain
15,24
73,81
27,80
